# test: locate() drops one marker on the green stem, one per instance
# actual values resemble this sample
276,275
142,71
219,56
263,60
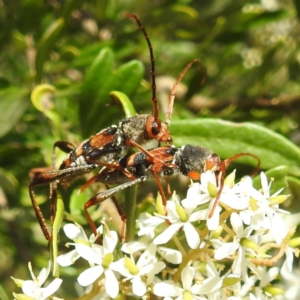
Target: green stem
130,211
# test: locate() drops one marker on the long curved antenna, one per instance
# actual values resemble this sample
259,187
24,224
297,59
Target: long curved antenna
172,94
222,168
153,83
231,159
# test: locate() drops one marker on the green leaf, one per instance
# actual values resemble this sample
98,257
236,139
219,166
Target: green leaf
127,78
294,187
97,75
77,202
90,104
126,103
46,44
13,103
228,138
101,80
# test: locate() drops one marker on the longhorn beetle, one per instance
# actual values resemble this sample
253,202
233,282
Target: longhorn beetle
105,148
162,162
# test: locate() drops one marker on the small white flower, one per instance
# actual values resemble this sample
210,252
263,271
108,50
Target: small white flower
224,250
77,234
180,217
264,214
188,290
146,266
170,255
101,258
147,224
33,288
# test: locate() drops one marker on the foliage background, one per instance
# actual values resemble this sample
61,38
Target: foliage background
86,49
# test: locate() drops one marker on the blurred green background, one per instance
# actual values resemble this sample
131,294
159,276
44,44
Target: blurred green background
86,49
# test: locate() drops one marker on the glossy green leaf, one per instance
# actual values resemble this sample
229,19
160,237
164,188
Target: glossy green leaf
228,138
97,87
127,78
13,103
46,44
126,103
96,76
90,103
294,187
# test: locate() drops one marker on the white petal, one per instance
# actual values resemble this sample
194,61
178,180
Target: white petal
191,235
287,266
88,253
110,241
67,259
111,283
198,215
90,275
52,287
148,225
210,267
44,274
138,286
246,216
172,213
264,184
29,288
132,247
165,236
119,266
236,201
187,276
239,263
147,256
167,289
209,285
157,268
237,224
214,222
170,255
72,231
226,250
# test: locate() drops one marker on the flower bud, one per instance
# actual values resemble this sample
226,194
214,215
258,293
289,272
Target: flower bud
18,282
159,205
181,213
273,290
294,243
21,297
229,180
230,281
249,244
278,199
82,241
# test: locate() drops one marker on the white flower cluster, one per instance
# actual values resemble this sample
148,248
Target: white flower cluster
227,253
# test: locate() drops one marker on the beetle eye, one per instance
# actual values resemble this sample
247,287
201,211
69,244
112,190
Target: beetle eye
155,128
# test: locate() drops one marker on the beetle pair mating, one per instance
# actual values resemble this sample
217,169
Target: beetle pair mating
110,150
